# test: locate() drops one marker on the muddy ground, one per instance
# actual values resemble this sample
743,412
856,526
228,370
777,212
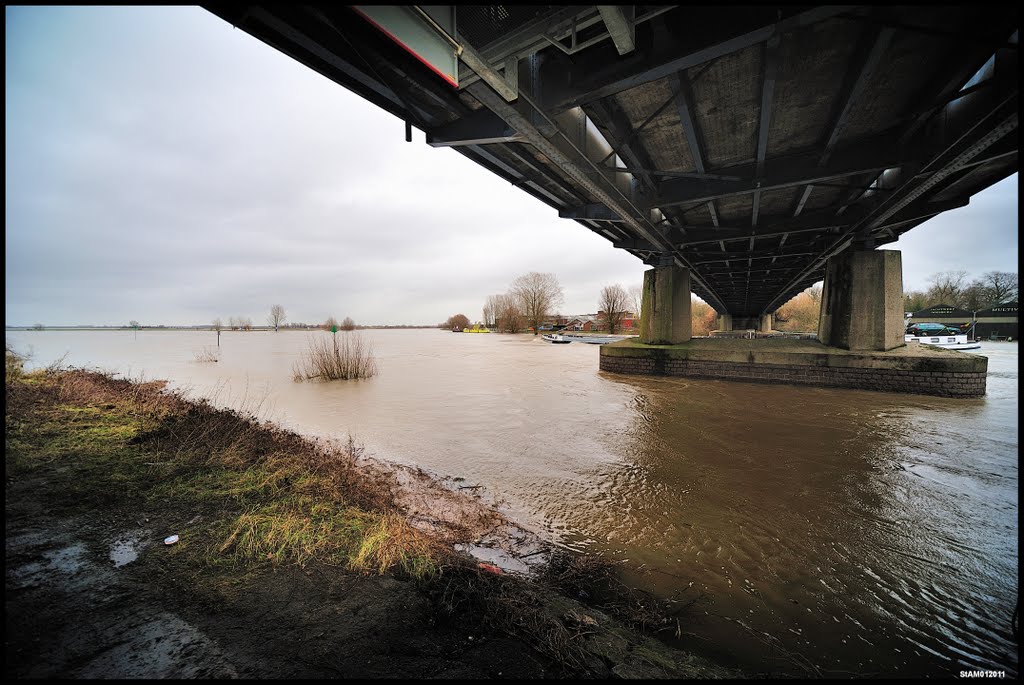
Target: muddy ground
71,612
103,597
92,591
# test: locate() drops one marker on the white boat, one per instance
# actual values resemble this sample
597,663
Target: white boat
596,339
940,335
555,338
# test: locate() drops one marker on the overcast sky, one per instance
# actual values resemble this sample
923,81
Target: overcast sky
165,167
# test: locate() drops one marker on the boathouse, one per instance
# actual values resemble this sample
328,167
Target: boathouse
998,321
943,313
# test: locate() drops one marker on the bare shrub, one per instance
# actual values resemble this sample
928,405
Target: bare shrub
14,365
333,360
207,354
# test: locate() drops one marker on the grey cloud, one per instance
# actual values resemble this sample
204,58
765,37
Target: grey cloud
164,167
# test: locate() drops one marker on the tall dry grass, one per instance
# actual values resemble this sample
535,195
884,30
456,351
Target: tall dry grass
801,313
331,360
703,318
14,364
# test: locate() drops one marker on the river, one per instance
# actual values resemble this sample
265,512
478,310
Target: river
816,531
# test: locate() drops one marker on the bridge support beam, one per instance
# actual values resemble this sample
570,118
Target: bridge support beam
862,301
724,322
665,308
764,323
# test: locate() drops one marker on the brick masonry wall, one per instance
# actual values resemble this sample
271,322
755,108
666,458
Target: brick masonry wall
942,383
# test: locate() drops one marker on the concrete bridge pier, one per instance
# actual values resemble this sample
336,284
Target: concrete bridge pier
665,307
862,301
861,335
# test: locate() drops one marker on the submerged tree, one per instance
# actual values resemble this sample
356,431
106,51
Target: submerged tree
537,295
614,302
277,316
491,310
459,321
347,324
508,318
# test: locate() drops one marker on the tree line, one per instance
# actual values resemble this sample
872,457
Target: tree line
952,288
276,320
532,300
955,288
529,301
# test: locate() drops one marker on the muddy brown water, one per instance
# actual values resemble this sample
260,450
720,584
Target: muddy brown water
819,531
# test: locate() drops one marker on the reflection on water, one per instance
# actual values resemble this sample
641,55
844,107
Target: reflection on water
819,531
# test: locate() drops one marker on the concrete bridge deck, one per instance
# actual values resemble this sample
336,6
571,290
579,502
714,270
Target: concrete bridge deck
748,144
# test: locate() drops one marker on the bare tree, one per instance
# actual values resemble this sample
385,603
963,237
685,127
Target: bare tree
636,297
245,323
133,324
233,323
347,324
507,315
459,322
914,301
491,310
217,325
947,287
537,294
276,317
999,286
613,302
330,324
814,292
974,296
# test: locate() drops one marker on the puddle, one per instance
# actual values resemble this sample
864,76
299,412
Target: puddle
126,549
497,557
69,559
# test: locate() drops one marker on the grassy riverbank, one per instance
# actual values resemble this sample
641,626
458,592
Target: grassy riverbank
295,557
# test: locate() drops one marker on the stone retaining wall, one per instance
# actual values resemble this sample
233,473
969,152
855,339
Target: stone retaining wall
944,383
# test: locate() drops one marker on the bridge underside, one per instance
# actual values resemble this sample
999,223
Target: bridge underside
747,144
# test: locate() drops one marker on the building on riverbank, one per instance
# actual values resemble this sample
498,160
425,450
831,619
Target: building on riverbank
997,321
943,313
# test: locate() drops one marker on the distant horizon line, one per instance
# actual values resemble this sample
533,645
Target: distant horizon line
201,327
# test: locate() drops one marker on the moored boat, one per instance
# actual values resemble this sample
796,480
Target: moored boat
596,339
940,335
555,338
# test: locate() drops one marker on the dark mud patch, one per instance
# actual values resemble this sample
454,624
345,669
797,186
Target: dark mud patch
72,613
